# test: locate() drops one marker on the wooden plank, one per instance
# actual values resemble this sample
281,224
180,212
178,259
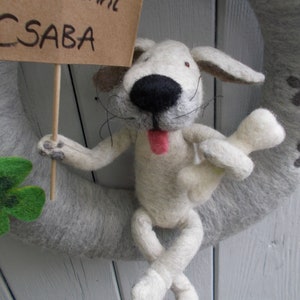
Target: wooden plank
5,293
39,84
239,36
34,273
263,262
128,273
200,272
36,86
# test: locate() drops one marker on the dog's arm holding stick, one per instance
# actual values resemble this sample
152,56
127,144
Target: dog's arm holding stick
74,154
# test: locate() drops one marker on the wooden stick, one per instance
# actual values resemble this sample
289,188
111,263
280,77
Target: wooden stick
55,117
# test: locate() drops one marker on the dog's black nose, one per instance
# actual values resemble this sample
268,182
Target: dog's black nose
155,93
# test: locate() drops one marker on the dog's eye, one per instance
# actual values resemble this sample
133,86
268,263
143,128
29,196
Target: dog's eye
187,64
146,59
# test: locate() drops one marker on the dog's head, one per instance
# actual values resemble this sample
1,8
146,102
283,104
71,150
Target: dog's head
163,88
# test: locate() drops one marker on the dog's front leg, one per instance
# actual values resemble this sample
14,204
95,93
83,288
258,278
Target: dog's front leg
74,154
166,265
260,130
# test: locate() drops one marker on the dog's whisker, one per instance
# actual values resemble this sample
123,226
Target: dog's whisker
97,98
114,96
188,113
205,105
202,107
102,126
109,130
199,78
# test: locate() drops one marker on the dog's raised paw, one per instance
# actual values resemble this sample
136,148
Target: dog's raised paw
228,157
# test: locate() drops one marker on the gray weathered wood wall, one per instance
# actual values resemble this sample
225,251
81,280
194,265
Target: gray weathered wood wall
261,263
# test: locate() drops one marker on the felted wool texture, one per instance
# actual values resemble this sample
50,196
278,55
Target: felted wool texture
83,158
165,264
23,203
63,225
205,55
233,207
160,59
165,201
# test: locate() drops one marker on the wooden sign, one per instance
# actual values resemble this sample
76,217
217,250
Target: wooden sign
98,32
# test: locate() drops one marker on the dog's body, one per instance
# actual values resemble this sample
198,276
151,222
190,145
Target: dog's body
156,176
160,96
161,200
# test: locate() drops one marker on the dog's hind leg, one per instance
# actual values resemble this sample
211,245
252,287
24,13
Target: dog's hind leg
183,289
167,265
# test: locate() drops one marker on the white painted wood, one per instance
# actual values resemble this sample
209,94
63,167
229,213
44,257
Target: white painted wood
39,84
129,272
239,36
5,294
263,263
36,274
200,272
36,87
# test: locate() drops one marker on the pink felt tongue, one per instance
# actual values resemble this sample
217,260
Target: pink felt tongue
159,141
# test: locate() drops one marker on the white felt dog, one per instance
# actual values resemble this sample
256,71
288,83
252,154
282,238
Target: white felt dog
159,98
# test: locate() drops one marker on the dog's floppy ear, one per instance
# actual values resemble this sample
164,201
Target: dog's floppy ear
141,45
224,67
109,77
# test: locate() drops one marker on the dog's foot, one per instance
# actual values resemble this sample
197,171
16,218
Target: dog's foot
150,287
188,294
50,148
183,289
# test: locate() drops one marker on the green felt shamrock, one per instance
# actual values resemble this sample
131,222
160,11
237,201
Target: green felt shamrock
23,203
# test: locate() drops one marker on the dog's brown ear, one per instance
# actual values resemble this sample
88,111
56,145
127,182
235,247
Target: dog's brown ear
108,77
224,67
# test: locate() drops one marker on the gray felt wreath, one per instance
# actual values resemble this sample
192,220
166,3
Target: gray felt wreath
90,220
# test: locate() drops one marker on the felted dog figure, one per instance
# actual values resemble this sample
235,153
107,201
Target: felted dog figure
159,98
